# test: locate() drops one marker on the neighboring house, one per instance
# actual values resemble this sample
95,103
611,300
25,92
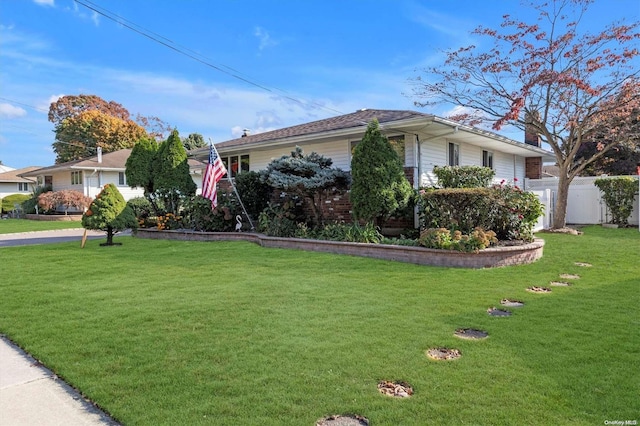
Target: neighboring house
422,140
11,181
90,175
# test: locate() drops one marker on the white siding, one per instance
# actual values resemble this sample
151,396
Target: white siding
434,153
338,151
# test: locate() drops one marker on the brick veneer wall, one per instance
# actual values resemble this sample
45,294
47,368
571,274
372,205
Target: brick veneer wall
533,167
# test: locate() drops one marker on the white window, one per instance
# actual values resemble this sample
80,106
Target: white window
454,154
76,177
487,159
23,186
122,179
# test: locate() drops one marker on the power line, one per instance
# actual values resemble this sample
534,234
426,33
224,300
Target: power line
24,105
192,54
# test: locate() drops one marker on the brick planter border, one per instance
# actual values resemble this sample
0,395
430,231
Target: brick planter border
55,217
488,258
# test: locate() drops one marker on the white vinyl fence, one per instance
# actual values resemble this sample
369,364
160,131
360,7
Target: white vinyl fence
584,205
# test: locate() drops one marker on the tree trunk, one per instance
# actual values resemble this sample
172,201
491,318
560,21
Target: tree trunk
560,212
109,236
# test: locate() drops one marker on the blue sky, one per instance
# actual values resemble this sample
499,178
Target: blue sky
317,58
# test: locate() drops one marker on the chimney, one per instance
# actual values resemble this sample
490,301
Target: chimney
99,155
531,136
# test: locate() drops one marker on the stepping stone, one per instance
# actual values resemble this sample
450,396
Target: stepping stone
395,389
495,312
512,303
539,290
559,284
583,264
443,354
343,420
471,334
569,277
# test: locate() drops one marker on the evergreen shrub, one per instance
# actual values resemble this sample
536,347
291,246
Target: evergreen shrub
618,194
504,209
463,176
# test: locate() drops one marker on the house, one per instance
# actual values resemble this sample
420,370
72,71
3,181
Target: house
89,175
422,140
11,181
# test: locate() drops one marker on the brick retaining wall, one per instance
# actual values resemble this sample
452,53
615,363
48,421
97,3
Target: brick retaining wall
488,258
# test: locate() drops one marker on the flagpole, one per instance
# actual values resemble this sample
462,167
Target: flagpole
234,189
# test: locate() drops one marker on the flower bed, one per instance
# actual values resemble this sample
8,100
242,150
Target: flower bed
487,258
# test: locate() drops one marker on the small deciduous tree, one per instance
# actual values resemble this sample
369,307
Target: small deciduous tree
379,187
66,198
570,86
110,213
308,176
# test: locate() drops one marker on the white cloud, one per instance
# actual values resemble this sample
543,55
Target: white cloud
45,2
10,111
264,37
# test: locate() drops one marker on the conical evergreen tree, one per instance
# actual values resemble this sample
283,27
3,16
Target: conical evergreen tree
109,212
379,187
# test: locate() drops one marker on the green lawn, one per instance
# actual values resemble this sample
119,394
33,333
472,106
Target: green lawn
9,226
229,333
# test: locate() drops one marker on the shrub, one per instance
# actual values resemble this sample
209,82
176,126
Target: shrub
281,220
141,207
463,176
200,217
442,238
10,201
255,194
505,209
618,194
348,232
29,206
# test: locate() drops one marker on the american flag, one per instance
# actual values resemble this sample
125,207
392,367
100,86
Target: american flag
213,173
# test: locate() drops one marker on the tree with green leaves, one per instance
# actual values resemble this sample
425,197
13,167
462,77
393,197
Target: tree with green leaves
308,176
139,169
193,141
109,212
379,188
171,178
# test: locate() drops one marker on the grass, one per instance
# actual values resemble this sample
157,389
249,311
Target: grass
9,226
227,333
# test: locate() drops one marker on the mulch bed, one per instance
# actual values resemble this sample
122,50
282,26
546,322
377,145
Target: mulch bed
441,354
495,312
512,303
395,389
471,334
559,284
536,289
343,420
569,276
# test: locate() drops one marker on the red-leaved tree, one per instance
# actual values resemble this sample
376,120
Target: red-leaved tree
571,86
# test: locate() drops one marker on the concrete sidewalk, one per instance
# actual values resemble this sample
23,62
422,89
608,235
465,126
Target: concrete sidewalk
31,395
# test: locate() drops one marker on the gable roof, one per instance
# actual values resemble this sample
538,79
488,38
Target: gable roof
115,160
354,125
15,175
111,161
